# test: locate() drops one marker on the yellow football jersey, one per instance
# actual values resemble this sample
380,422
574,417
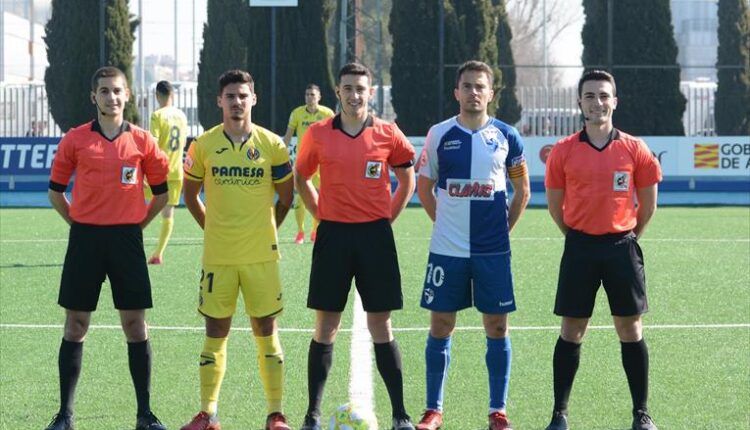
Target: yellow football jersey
169,127
300,120
238,180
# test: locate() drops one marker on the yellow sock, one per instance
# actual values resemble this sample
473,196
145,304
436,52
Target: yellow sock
314,225
167,224
213,364
271,365
299,215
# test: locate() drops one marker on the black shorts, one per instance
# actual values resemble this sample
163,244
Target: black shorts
614,260
97,251
363,251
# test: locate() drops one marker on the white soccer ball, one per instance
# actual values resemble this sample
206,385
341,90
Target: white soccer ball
347,417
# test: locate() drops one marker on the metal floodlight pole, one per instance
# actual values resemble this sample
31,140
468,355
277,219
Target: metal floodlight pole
379,61
273,68
31,40
544,44
176,77
102,25
441,56
343,6
141,73
195,64
610,21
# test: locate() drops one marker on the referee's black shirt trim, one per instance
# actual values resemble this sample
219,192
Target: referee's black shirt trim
56,186
613,135
159,188
336,124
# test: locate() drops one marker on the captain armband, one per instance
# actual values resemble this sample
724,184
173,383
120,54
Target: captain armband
518,171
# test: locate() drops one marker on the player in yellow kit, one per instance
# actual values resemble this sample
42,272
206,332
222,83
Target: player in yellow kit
240,166
300,119
169,126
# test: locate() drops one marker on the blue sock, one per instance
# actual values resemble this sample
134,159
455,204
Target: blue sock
498,368
437,356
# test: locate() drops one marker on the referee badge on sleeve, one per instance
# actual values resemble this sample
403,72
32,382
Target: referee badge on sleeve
373,170
129,175
621,181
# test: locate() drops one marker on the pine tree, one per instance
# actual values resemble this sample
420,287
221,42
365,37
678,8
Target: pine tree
650,101
732,108
301,58
508,110
471,29
414,65
225,47
72,39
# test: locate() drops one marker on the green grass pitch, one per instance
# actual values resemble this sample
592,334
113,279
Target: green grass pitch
698,332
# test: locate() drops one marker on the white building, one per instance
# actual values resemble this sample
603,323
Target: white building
23,55
695,25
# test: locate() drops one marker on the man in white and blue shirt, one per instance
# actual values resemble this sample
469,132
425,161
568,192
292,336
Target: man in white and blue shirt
462,185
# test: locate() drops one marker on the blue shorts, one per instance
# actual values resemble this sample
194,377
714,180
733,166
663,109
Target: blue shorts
455,283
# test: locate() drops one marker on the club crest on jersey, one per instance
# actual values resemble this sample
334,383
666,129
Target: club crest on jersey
253,153
373,170
129,175
470,189
621,181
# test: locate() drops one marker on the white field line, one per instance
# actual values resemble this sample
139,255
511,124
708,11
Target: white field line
421,238
395,329
360,362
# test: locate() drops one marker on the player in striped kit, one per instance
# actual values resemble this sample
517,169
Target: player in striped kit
462,186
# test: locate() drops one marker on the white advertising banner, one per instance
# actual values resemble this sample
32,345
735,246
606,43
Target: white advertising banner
679,156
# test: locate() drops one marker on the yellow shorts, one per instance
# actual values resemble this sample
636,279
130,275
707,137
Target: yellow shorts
260,284
174,190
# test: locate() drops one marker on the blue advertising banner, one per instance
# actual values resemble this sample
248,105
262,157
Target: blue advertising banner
27,155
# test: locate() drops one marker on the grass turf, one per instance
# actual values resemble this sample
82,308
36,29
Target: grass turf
698,268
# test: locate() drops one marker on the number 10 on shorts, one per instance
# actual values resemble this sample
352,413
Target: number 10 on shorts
435,275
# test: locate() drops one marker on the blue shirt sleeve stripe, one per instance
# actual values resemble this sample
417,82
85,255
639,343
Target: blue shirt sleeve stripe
280,171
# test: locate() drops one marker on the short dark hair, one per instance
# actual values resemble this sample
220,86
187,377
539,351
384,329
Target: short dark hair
164,88
475,66
235,76
355,69
596,75
312,87
107,72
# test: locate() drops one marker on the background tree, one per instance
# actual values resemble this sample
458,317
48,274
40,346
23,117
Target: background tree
732,109
471,27
301,58
414,30
508,110
224,47
72,39
650,101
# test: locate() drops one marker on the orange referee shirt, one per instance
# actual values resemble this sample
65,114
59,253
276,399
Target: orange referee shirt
355,183
108,186
600,184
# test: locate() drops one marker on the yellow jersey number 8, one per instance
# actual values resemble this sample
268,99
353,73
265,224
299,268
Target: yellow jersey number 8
174,138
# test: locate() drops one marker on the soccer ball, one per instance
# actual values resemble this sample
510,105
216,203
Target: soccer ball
347,417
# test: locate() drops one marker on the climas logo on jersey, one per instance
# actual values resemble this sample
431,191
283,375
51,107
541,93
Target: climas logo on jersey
471,189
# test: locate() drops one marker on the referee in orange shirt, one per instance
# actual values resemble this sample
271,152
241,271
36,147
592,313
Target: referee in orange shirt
110,159
594,179
355,152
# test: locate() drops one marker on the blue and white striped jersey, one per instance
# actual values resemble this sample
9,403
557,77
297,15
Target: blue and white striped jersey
470,169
